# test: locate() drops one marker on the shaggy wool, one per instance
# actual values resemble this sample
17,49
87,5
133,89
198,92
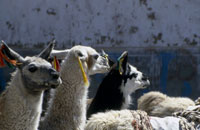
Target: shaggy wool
190,118
119,120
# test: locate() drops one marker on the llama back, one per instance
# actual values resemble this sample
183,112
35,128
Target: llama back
161,105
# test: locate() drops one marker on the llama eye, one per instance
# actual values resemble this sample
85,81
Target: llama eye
134,75
96,56
80,54
32,68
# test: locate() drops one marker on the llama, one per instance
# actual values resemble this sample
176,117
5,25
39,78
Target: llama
21,102
68,109
115,89
119,120
191,114
187,119
161,105
135,120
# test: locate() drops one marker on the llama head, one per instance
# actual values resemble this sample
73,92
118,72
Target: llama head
132,79
91,60
37,74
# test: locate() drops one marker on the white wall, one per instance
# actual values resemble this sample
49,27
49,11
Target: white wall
146,24
107,23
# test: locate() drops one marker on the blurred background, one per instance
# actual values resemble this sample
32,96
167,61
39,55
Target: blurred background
162,37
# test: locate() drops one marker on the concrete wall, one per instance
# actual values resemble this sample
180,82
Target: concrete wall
162,36
133,23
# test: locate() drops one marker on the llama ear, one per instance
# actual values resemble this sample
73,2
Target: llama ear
80,55
105,55
45,54
122,62
60,54
10,57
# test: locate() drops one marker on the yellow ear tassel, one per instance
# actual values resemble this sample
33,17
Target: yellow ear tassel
120,65
85,79
105,56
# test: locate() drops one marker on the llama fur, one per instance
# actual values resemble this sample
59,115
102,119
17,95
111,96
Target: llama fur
124,120
190,116
119,120
16,102
161,105
68,109
21,102
114,92
133,120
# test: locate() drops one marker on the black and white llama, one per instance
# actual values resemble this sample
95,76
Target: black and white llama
115,89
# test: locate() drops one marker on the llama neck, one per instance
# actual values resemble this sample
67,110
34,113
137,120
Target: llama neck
68,110
19,107
127,102
111,95
126,96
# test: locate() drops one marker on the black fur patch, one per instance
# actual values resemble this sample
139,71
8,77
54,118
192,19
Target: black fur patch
109,95
128,74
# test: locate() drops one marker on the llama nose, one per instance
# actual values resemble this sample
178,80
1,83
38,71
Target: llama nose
144,77
54,74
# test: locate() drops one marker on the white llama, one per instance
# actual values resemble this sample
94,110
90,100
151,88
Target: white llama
21,102
68,109
161,105
119,120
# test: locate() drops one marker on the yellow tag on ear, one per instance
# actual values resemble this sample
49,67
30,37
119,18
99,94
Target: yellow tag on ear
85,79
106,56
120,65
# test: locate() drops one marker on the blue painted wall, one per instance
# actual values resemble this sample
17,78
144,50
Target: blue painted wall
174,72
2,80
165,59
